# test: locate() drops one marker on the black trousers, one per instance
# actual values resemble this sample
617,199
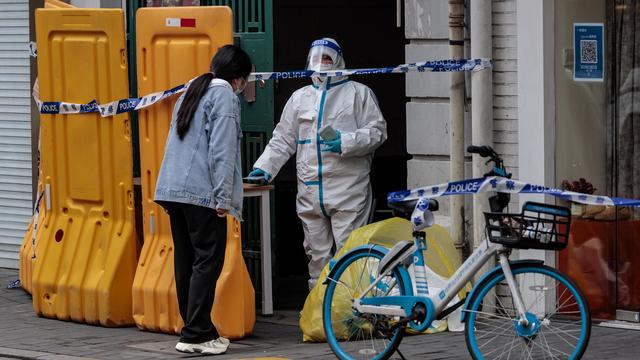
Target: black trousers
199,240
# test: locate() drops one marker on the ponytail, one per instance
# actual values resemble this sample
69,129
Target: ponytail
230,62
195,92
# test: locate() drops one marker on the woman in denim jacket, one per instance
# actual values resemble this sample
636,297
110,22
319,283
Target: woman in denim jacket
199,184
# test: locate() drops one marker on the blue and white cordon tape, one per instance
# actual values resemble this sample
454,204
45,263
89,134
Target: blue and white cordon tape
109,109
33,49
431,66
499,184
131,104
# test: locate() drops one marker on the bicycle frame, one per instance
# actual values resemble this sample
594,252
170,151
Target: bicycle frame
436,302
388,288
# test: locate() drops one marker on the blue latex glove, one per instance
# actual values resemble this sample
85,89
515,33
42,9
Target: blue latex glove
334,145
259,172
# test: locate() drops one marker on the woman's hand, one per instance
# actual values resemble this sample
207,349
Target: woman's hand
222,212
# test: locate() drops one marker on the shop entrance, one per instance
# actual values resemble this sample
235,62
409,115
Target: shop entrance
598,140
623,94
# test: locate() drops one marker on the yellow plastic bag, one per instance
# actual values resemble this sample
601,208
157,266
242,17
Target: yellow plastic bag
441,257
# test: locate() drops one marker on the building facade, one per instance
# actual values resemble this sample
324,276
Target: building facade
550,124
15,130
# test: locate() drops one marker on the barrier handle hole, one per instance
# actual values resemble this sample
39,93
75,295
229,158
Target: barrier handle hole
59,235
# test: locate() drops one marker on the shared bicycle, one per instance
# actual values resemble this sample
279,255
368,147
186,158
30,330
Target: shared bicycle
520,309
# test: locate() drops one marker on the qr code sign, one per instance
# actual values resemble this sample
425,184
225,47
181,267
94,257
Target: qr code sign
588,51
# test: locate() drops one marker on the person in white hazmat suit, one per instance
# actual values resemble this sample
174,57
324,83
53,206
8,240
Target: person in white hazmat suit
334,191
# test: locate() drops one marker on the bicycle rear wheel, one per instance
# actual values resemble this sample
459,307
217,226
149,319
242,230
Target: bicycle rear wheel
351,334
557,312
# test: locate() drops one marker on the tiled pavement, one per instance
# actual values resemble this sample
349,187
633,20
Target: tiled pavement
23,335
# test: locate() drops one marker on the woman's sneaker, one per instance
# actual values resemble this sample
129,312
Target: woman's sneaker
212,347
223,341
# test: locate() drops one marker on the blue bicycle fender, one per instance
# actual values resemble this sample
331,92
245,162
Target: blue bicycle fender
490,273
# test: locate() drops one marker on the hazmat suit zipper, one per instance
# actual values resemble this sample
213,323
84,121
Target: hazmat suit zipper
319,151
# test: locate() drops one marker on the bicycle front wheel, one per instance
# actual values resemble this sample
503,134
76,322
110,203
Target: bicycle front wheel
558,322
351,334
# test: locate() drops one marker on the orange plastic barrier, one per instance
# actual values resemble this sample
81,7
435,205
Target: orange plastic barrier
234,309
27,253
173,46
86,254
56,4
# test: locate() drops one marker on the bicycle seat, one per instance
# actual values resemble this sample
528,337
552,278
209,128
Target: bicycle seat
404,209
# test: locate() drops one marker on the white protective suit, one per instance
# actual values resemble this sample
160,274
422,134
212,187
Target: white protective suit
334,191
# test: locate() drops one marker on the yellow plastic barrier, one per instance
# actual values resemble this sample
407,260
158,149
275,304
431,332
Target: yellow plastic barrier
86,255
27,253
56,4
234,311
441,257
25,264
173,46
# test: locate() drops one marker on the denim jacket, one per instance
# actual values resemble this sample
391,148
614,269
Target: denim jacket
204,167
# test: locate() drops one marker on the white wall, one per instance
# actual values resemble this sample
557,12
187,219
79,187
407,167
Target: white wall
15,130
426,26
96,3
536,103
505,83
85,3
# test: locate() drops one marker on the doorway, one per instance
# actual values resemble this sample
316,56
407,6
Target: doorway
367,32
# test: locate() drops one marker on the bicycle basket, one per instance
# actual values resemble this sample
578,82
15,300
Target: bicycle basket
539,226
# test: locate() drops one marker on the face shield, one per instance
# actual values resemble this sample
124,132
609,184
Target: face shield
325,54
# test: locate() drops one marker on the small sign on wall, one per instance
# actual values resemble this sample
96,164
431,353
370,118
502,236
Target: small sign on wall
588,56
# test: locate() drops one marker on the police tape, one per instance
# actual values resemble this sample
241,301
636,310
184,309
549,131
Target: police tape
431,66
33,49
498,184
131,104
109,109
501,184
34,229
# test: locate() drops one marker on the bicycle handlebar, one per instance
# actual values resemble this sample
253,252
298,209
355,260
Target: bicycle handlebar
499,201
487,151
483,151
